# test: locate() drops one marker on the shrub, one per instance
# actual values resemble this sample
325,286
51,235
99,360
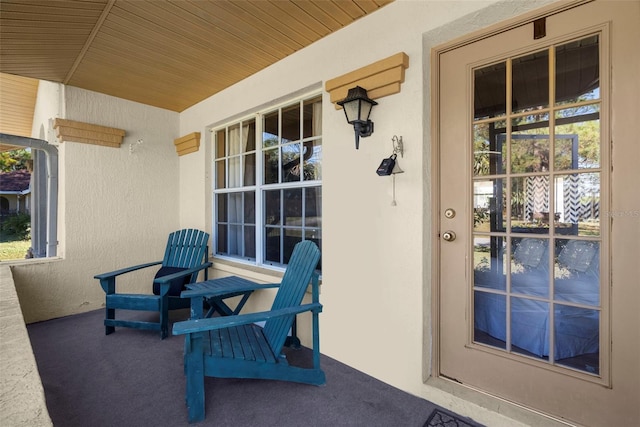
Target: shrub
18,225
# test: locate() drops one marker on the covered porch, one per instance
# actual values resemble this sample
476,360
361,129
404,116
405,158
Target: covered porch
66,372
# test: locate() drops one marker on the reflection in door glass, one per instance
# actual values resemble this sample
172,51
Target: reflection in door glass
530,150
577,332
578,138
577,73
530,266
529,330
530,82
489,149
530,204
490,95
490,327
536,206
488,205
577,201
488,262
577,272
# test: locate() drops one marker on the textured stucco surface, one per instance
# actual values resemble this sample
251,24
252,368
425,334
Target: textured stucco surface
118,205
22,400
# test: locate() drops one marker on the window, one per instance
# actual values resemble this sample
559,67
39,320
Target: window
268,183
44,194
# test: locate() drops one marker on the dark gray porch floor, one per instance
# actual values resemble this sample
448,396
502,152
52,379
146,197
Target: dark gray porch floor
132,378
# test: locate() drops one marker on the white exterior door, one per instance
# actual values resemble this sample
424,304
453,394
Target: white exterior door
538,212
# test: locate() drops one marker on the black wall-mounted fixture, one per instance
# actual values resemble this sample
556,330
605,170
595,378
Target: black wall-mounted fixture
357,108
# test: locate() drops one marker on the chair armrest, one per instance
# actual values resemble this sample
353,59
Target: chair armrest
200,325
169,277
125,270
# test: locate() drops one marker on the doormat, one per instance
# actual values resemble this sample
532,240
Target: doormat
439,418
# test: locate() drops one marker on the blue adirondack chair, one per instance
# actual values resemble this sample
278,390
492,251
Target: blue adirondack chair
235,347
185,256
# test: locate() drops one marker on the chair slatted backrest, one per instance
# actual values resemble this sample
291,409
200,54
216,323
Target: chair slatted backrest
295,281
186,249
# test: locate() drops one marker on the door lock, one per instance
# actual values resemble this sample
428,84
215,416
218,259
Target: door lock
449,213
449,236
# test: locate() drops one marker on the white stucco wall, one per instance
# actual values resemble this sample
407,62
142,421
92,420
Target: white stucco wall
116,206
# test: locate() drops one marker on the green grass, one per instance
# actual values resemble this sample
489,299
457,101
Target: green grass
13,249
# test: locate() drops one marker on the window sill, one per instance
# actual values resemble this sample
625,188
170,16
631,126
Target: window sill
250,271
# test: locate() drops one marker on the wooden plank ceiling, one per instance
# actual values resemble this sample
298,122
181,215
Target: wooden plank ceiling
166,53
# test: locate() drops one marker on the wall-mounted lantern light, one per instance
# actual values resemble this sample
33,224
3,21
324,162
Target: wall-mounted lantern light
357,107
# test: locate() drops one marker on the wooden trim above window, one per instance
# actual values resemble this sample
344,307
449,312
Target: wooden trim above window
72,131
381,78
187,144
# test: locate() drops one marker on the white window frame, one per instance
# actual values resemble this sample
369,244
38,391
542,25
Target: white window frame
259,188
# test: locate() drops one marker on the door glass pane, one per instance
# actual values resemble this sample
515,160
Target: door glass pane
530,266
490,319
577,338
489,149
483,194
530,327
530,147
488,262
530,204
578,70
489,201
490,91
577,272
578,138
577,202
530,74
536,206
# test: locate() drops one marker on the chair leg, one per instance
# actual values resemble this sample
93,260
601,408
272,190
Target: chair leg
164,317
111,315
194,362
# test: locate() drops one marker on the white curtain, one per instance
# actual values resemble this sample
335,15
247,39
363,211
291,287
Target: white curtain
237,140
317,118
249,161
